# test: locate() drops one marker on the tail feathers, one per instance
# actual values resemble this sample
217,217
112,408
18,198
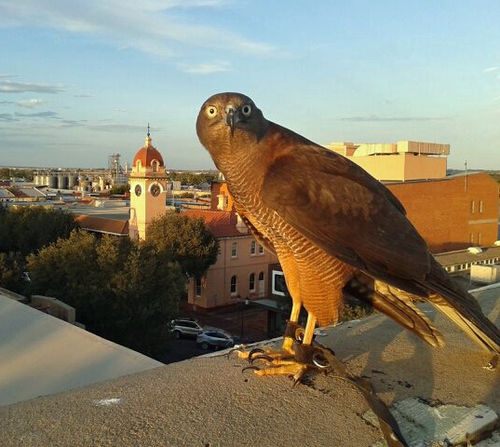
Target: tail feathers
396,304
404,312
463,309
484,334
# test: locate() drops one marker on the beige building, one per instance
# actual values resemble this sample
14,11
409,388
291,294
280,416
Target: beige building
401,161
148,186
242,266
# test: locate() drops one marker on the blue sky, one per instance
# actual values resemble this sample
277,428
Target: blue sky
80,80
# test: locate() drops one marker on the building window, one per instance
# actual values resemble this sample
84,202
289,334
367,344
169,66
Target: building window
197,287
479,238
234,249
262,291
472,207
251,282
253,247
261,249
480,206
234,285
154,165
471,238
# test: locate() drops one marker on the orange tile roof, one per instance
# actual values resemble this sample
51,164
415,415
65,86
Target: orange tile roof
147,154
220,223
103,225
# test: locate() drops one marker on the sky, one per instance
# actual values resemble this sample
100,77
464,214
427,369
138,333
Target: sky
80,80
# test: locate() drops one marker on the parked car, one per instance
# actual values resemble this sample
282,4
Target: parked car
214,338
185,327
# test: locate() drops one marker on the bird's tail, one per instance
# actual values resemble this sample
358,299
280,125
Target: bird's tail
461,308
396,304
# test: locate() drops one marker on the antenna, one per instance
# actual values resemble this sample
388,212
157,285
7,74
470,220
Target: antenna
148,130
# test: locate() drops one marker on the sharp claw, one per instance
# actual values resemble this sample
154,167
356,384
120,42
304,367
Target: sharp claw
256,368
260,357
237,348
254,351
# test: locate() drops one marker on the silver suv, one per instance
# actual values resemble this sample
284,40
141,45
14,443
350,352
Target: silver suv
215,338
185,327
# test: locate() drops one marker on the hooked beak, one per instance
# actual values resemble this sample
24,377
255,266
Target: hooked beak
231,119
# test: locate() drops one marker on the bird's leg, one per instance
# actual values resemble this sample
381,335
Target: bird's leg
287,348
302,360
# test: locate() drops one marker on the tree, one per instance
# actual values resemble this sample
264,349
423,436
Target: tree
120,189
11,272
184,239
122,291
26,229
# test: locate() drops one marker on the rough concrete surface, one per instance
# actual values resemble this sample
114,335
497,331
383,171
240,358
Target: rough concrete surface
209,402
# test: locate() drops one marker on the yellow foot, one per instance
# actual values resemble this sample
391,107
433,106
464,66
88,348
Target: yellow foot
265,354
290,368
304,358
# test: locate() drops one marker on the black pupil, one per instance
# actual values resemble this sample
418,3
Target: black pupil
212,111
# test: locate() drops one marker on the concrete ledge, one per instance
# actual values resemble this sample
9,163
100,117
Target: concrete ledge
209,402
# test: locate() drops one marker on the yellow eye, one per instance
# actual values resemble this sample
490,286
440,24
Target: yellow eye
246,110
211,111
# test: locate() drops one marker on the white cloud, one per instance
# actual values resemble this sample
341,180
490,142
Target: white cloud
29,103
491,69
22,87
208,68
148,25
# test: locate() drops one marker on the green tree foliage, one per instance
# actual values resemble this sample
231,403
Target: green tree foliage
26,229
121,290
184,239
11,271
7,173
119,189
190,178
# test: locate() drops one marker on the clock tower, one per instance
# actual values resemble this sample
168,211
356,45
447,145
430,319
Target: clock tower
148,186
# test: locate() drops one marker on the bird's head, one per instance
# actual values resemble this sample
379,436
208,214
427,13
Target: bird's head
226,116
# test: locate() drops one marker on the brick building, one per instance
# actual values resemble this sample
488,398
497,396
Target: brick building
454,212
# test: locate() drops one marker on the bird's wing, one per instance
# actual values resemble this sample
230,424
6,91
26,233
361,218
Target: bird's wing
346,212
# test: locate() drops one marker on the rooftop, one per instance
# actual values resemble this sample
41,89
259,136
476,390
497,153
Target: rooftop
220,223
207,401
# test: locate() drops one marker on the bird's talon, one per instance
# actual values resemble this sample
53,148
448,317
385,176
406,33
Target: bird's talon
256,368
254,351
260,357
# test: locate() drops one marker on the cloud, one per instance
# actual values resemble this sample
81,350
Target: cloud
7,117
209,68
22,87
151,26
83,95
393,118
7,76
49,114
29,103
116,128
491,69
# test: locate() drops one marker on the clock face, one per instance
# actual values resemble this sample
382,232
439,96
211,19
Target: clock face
155,190
138,190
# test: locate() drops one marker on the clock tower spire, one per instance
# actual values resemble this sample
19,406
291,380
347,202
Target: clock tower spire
148,186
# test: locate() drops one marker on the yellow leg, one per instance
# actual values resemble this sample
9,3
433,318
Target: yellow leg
309,331
294,318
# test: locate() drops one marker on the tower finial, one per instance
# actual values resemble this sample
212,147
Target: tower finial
148,138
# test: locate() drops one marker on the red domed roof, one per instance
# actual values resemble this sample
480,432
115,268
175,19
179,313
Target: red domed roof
147,154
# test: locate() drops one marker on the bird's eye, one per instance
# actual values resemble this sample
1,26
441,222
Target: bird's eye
246,110
211,111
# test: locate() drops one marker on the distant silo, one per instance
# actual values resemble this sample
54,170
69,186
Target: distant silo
52,181
71,181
